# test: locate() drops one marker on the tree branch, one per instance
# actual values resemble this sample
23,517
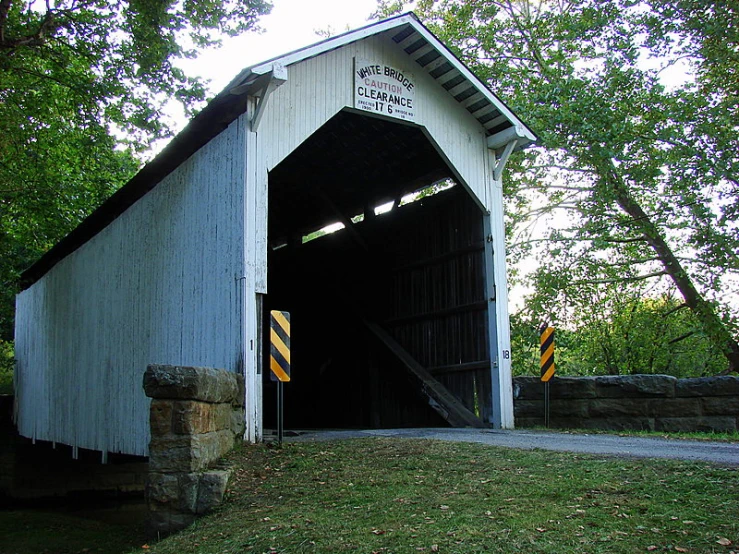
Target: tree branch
4,10
557,187
711,323
625,241
682,337
631,262
733,268
564,168
46,29
675,309
620,279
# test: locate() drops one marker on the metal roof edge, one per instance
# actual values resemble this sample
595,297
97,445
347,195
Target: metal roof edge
522,129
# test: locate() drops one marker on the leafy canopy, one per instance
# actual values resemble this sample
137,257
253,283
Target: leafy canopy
82,89
640,172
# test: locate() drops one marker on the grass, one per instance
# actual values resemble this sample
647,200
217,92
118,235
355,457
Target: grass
383,495
713,436
398,496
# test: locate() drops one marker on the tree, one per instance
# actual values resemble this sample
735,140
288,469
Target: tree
622,329
645,170
82,89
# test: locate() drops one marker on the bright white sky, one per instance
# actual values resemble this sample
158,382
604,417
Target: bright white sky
291,25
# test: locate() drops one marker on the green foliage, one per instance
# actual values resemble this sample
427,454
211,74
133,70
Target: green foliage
6,367
640,174
75,78
624,333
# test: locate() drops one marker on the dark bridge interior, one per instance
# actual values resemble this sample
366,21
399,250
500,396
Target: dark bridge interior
388,315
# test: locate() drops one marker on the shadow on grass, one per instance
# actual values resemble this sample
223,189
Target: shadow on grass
71,528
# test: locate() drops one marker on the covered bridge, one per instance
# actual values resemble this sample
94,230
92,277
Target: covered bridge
398,319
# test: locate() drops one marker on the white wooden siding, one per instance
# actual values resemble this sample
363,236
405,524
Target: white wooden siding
161,284
255,281
498,316
320,87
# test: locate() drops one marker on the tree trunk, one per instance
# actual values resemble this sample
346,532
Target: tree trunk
712,325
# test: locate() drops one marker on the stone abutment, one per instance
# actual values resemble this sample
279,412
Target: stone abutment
196,417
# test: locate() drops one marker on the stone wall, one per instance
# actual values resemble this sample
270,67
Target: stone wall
649,402
196,416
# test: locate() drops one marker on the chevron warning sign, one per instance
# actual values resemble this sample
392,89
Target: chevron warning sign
279,353
547,353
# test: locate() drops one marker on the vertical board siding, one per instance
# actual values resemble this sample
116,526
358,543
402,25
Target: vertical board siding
438,304
158,285
176,278
255,278
318,88
422,280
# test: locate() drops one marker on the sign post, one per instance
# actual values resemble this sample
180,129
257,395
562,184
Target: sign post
547,365
279,360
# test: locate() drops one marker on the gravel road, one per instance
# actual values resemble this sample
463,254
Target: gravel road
608,445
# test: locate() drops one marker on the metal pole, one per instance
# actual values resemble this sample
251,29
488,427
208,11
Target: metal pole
546,404
280,423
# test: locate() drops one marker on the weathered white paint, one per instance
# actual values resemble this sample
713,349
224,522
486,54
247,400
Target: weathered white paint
277,77
381,89
502,160
255,282
385,28
160,284
320,87
499,327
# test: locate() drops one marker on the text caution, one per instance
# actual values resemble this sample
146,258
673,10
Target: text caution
383,89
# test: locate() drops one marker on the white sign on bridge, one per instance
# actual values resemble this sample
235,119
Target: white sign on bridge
382,89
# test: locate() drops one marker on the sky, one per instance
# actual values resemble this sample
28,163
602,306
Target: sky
292,24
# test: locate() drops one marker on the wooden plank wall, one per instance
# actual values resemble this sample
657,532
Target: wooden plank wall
161,284
438,309
422,279
317,89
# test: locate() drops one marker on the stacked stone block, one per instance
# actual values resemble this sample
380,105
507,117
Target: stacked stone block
648,402
196,416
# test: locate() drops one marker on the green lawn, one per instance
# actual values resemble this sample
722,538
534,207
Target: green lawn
406,496
389,495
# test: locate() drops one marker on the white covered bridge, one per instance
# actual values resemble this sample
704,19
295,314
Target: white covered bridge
398,319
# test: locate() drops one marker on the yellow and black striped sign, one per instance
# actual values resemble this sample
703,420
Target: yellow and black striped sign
547,353
279,352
